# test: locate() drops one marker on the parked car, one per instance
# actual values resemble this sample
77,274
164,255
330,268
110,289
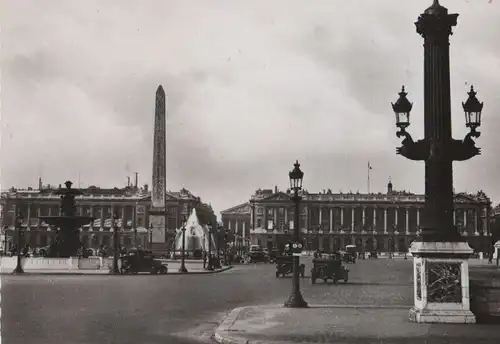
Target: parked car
142,261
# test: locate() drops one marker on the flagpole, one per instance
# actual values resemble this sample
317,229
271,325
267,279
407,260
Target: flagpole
368,181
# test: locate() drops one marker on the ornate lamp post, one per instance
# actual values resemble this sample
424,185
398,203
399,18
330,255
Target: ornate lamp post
183,229
116,246
296,300
150,243
440,249
209,265
19,222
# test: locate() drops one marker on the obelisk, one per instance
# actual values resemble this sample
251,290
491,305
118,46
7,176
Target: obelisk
157,211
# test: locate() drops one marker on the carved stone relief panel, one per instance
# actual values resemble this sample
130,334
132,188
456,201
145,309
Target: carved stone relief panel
444,282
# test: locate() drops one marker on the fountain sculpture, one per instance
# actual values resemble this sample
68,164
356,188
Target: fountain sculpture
67,241
196,236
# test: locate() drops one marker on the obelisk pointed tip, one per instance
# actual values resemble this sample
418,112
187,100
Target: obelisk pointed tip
160,90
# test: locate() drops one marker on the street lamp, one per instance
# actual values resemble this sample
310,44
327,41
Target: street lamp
296,300
19,222
438,150
150,244
183,229
116,246
210,260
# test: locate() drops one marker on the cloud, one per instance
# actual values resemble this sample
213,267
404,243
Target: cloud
251,87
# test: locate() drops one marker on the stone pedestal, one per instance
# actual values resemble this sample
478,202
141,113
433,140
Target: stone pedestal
441,283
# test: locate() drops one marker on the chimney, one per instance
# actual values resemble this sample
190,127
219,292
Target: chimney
40,185
128,181
136,179
276,189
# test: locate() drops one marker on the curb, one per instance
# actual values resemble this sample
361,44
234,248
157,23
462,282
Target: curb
224,335
29,273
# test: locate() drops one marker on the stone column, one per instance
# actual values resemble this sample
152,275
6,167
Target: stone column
476,222
236,226
374,218
102,218
265,217
124,222
39,213
418,218
252,216
396,216
29,216
320,214
454,216
286,216
342,216
352,219
331,220
385,220
485,222
243,234
407,211
275,220
465,219
364,216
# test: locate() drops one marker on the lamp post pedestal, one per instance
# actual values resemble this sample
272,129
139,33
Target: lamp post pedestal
441,283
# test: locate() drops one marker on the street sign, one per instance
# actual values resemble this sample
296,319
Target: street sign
296,254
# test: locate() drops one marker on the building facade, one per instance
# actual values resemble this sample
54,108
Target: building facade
131,205
329,221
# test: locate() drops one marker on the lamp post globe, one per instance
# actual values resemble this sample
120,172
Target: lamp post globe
472,109
183,269
402,109
296,300
19,222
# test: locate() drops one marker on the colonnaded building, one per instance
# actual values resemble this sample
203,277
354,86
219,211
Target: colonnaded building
386,222
131,204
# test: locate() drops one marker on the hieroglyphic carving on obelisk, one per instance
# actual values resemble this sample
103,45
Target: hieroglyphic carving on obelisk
157,211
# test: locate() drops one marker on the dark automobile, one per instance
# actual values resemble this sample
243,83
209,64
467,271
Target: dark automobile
329,268
142,261
257,254
284,266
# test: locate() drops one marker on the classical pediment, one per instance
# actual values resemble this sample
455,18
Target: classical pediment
239,209
279,196
170,197
464,198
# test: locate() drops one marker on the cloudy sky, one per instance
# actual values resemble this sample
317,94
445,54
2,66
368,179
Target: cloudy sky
252,86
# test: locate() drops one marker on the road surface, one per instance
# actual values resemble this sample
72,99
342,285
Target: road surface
173,309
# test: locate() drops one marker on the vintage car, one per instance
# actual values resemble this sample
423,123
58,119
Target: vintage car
284,266
329,268
257,254
142,261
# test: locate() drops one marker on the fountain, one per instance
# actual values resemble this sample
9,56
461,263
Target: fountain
67,241
196,236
